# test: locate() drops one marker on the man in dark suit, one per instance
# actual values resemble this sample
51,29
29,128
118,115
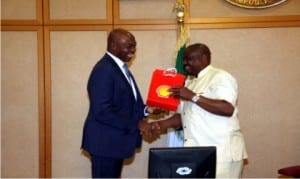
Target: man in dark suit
115,121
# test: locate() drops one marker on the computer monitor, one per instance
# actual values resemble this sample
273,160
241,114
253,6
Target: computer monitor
182,162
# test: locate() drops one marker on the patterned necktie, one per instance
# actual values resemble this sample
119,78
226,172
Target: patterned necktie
130,79
127,72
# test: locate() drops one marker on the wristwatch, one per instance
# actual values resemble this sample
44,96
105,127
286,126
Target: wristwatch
195,98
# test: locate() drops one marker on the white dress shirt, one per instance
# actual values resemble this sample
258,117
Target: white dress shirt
120,63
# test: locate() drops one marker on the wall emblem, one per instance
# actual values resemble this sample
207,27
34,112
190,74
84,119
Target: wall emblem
251,4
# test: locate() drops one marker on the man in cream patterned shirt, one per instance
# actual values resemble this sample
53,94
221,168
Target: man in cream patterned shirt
208,112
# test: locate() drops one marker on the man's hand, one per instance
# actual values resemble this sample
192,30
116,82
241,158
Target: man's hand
145,128
182,92
158,127
155,125
163,125
154,110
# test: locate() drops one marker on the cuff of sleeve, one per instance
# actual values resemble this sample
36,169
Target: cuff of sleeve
146,114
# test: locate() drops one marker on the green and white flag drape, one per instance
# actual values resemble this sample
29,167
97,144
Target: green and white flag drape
180,47
175,137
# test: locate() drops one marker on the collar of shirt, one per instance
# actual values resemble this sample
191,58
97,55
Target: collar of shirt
204,71
119,62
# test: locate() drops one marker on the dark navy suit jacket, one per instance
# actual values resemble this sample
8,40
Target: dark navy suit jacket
111,127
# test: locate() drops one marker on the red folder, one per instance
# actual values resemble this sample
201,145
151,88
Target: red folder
158,95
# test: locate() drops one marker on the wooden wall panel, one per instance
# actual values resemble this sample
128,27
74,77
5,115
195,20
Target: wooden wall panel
18,9
20,12
81,12
82,9
144,12
150,10
72,56
20,104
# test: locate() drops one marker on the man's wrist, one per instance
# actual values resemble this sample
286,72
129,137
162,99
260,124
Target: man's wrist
195,98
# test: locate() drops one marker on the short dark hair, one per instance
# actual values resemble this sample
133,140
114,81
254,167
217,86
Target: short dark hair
201,49
114,34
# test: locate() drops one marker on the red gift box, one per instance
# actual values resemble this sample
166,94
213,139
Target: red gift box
158,94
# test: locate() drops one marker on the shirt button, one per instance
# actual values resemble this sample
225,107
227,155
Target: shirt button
185,140
184,127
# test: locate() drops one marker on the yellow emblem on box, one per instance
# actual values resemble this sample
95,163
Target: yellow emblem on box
163,91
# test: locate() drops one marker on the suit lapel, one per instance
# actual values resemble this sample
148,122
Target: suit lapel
121,75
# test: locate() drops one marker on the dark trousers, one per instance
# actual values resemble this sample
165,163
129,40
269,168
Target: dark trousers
105,167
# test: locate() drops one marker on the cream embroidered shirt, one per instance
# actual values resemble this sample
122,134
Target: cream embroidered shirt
203,128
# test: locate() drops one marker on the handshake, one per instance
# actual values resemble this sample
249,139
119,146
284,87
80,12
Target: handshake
147,128
158,127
